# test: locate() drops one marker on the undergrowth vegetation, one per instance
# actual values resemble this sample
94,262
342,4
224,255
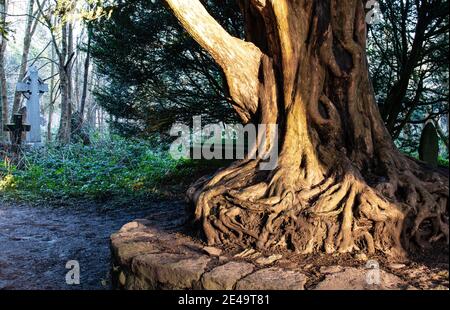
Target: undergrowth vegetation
114,168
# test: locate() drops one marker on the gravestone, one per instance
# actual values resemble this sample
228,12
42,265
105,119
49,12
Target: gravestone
16,128
32,88
429,145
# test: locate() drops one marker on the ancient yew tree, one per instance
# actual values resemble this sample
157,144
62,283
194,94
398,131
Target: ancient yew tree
340,184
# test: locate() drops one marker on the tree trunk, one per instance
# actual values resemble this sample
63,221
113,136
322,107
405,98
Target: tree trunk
76,84
3,84
393,104
64,85
91,107
85,78
52,97
29,31
64,123
441,134
340,184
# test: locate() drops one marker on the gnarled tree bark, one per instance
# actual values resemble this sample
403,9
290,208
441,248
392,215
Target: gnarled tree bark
340,184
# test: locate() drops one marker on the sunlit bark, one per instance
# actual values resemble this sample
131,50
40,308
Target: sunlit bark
340,185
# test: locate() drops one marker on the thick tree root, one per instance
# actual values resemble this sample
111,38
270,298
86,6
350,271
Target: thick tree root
342,213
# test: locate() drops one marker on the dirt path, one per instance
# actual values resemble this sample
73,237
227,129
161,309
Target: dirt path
36,242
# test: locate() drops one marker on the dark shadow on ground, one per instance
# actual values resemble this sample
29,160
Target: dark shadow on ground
37,241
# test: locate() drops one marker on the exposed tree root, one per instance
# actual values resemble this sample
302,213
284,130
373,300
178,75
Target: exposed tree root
342,213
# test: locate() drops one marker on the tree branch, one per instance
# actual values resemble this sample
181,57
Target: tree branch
441,133
239,60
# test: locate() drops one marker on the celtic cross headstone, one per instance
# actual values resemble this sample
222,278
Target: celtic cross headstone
32,88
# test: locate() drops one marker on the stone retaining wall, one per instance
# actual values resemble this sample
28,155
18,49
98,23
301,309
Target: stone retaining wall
145,257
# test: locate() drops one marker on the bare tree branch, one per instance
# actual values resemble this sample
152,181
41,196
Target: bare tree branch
231,53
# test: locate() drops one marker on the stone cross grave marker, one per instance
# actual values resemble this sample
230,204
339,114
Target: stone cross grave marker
32,88
16,129
429,145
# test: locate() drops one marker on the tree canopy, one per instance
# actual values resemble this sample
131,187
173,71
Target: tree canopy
408,56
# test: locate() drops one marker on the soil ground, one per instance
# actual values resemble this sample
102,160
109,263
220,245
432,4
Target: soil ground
36,241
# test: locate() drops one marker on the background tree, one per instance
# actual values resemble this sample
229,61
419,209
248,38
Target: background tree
159,77
59,17
340,185
85,75
30,28
3,82
53,92
65,54
408,52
